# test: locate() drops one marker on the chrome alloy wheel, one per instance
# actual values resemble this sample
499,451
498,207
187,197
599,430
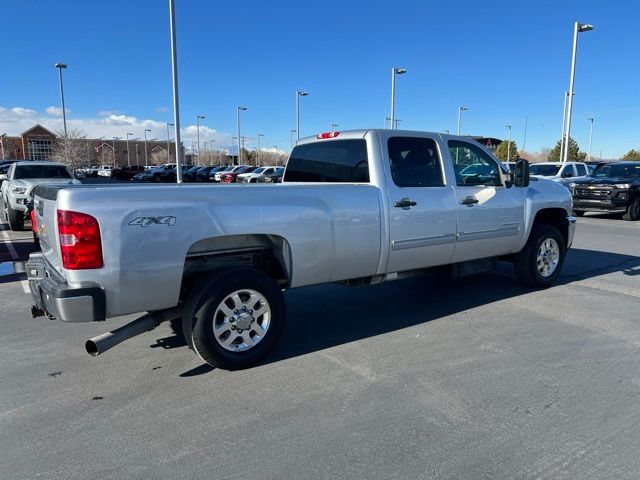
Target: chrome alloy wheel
548,257
241,320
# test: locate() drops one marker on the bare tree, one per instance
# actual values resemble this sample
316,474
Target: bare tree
71,149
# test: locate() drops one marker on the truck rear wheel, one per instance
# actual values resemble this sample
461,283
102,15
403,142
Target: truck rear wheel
15,218
633,211
540,261
235,318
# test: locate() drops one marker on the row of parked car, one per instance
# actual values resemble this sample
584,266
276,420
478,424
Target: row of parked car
220,174
166,173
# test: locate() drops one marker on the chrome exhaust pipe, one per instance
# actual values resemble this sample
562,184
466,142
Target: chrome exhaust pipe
100,344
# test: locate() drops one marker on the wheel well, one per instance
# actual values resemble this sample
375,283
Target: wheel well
270,254
556,217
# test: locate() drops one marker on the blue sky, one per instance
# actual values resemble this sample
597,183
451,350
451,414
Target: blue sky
503,60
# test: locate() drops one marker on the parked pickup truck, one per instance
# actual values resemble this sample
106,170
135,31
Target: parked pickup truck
357,207
612,187
19,183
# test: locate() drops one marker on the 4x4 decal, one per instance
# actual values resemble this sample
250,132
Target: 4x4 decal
146,221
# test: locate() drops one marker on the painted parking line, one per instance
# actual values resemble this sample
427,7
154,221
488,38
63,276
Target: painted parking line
14,255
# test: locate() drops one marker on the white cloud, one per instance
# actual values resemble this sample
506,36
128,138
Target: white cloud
23,112
107,125
55,111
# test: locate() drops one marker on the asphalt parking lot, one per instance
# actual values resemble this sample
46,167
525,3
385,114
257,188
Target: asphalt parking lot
464,379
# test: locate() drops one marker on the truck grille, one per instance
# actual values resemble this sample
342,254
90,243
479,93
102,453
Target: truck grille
595,192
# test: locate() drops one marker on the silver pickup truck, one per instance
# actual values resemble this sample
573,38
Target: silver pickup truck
356,207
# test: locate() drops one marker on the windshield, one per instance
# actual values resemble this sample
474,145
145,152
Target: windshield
544,170
617,170
41,171
259,170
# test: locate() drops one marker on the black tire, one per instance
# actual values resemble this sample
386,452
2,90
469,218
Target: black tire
525,262
4,212
202,303
16,219
579,213
633,211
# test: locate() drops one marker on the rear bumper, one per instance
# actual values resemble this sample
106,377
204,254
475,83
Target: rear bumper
51,294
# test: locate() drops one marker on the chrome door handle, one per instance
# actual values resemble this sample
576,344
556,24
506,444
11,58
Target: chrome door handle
405,203
469,201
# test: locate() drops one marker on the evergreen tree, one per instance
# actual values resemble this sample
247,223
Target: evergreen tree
502,150
575,155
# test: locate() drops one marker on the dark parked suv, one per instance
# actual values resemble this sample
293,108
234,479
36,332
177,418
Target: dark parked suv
126,173
612,187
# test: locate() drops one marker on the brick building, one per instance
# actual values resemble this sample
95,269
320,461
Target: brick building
38,143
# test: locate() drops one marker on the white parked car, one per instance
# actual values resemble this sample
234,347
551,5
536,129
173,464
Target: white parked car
558,171
19,182
252,177
104,170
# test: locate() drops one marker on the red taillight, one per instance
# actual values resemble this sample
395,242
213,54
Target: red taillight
34,221
80,243
322,136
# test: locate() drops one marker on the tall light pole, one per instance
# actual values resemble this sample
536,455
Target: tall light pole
259,135
233,141
60,66
387,119
460,110
333,127
113,149
213,140
146,159
240,109
590,119
128,158
291,138
137,154
276,154
394,71
509,144
396,123
168,141
298,95
174,73
2,143
577,28
198,117
564,120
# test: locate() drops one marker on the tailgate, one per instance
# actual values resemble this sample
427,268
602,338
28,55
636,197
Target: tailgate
44,204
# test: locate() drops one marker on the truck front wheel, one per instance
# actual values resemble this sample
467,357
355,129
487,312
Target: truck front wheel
633,211
235,318
540,261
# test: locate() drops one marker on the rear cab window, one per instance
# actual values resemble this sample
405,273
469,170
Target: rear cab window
415,162
340,161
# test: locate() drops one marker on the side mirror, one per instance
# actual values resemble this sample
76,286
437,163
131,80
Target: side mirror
521,174
4,176
80,175
567,175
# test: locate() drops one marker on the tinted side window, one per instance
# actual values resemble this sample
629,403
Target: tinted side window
414,162
582,170
330,161
473,166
